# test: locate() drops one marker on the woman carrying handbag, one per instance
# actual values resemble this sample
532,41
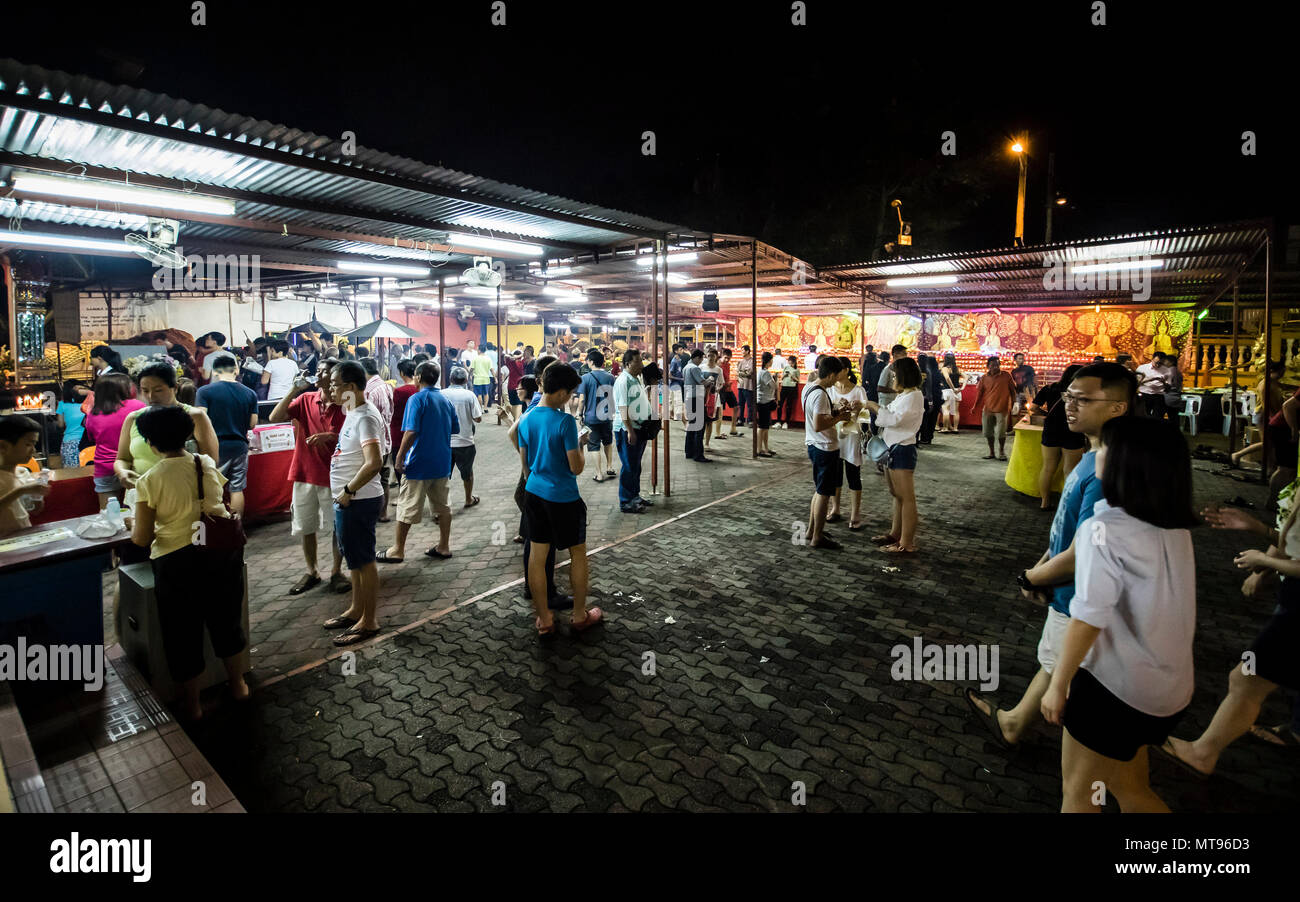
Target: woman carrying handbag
196,549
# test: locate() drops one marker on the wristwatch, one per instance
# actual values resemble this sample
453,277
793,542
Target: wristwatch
1022,580
348,490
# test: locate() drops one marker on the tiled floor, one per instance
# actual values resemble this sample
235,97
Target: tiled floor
115,750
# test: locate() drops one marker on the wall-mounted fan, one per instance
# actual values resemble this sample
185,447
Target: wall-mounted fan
158,244
481,274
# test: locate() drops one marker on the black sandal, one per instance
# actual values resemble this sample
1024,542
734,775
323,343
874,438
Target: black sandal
352,637
309,581
989,720
340,623
434,552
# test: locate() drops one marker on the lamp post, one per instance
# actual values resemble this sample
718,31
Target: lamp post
1018,148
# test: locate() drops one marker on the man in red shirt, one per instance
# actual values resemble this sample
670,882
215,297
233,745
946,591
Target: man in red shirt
995,396
516,365
316,423
401,394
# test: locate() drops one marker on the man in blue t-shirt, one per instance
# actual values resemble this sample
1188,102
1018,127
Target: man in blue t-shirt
553,508
232,408
598,412
424,462
1097,394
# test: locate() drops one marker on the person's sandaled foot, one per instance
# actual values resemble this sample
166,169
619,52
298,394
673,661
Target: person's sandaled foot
342,622
610,473
1281,735
1170,752
340,583
434,552
989,718
544,630
884,539
826,543
353,636
990,457
242,692
310,581
1002,457
834,518
471,502
899,548
518,540
594,616
855,525
389,558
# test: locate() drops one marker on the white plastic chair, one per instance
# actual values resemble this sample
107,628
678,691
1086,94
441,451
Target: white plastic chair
1191,410
1245,412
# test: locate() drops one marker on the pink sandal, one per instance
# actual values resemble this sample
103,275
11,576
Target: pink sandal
594,616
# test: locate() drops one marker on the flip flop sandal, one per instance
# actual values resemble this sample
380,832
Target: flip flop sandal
898,549
834,518
885,539
610,473
518,540
1166,751
434,552
989,720
340,583
307,582
544,630
1282,736
859,525
989,457
385,559
352,637
594,616
340,623
474,501
598,479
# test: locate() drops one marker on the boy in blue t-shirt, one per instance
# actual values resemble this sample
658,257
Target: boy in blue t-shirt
553,508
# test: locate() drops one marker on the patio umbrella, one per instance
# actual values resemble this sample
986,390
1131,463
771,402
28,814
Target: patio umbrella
380,328
314,326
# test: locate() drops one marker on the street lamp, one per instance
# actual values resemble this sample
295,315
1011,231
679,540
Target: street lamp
1018,148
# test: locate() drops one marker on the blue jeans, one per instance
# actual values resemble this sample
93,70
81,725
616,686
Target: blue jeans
746,412
629,478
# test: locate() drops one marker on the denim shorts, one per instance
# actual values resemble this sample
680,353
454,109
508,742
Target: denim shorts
827,472
354,530
601,434
105,485
902,457
234,465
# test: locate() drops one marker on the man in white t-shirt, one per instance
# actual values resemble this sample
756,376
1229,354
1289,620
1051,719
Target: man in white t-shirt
280,371
466,358
469,411
1152,383
810,359
820,421
358,497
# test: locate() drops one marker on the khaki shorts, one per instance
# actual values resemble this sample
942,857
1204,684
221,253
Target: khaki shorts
411,496
313,510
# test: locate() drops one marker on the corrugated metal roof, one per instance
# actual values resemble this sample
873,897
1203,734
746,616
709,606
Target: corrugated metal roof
55,116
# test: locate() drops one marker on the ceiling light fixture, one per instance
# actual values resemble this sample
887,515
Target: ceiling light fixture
62,242
495,244
921,280
122,193
382,269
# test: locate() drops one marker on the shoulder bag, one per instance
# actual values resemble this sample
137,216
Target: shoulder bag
219,533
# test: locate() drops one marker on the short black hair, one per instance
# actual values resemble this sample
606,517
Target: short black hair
280,346
370,365
651,373
428,373
630,354
215,336
417,359
767,359
527,386
164,372
349,372
559,378
1112,376
698,352
540,365
906,373
1120,358
898,349
13,428
166,428
677,345
595,358
406,368
1148,471
70,391
828,365
225,362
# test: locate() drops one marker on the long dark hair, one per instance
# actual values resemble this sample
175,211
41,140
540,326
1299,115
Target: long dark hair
1148,471
109,356
950,361
112,390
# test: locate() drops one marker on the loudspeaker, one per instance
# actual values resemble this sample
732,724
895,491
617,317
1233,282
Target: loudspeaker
710,302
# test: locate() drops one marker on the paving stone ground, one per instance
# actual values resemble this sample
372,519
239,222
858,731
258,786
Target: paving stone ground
771,661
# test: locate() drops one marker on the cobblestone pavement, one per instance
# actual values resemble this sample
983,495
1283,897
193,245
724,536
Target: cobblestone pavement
771,661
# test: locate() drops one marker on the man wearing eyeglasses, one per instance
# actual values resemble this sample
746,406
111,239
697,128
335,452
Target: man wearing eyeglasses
1098,393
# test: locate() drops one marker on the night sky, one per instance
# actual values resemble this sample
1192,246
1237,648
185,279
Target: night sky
796,135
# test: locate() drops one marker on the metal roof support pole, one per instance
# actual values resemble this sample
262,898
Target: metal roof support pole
1196,352
653,350
668,470
753,343
442,333
1233,369
1268,355
496,375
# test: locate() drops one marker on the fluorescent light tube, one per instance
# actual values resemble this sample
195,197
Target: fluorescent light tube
122,193
495,244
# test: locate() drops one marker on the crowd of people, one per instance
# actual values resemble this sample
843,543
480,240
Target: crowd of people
1116,581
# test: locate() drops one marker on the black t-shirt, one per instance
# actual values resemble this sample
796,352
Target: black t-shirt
230,406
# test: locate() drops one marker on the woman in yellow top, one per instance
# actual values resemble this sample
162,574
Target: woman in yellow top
135,457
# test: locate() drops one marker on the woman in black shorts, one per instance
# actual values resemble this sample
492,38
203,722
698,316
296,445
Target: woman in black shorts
1125,675
1058,441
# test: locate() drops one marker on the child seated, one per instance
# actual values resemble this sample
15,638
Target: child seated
18,436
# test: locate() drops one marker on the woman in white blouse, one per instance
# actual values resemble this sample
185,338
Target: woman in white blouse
898,424
1125,676
848,391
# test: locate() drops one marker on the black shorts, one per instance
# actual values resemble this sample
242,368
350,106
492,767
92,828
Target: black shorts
197,588
514,397
561,524
729,399
827,471
601,434
1100,721
1283,448
1277,647
765,414
462,458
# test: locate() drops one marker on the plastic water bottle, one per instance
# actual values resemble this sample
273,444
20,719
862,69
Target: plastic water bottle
113,513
